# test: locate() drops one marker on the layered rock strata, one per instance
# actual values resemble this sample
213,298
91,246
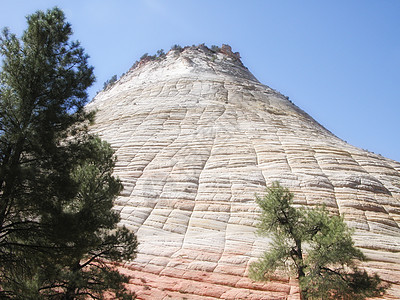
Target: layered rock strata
196,136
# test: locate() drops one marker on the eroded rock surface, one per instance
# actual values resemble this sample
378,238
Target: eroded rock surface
196,136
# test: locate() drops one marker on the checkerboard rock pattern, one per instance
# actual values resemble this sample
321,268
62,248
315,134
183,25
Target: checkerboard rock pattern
197,136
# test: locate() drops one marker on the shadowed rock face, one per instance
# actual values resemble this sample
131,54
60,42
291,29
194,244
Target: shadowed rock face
196,136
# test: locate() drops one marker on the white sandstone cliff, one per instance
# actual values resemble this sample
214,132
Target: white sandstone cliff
196,136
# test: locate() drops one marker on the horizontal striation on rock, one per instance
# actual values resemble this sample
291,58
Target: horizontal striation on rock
196,137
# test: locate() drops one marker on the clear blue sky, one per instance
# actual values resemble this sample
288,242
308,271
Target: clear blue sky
338,60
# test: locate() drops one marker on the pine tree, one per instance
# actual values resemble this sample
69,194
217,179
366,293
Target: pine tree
313,244
57,226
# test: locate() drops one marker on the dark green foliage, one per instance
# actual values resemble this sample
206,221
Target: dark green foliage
215,48
327,269
110,82
160,53
144,56
57,226
177,48
148,57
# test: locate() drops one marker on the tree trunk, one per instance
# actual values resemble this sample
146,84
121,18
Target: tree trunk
300,270
303,291
72,286
70,294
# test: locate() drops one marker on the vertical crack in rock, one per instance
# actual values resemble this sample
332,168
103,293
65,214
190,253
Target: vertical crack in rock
196,137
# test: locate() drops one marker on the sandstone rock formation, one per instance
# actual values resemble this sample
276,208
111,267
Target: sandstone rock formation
196,136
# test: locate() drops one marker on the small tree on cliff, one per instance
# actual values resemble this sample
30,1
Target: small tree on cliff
56,186
313,244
